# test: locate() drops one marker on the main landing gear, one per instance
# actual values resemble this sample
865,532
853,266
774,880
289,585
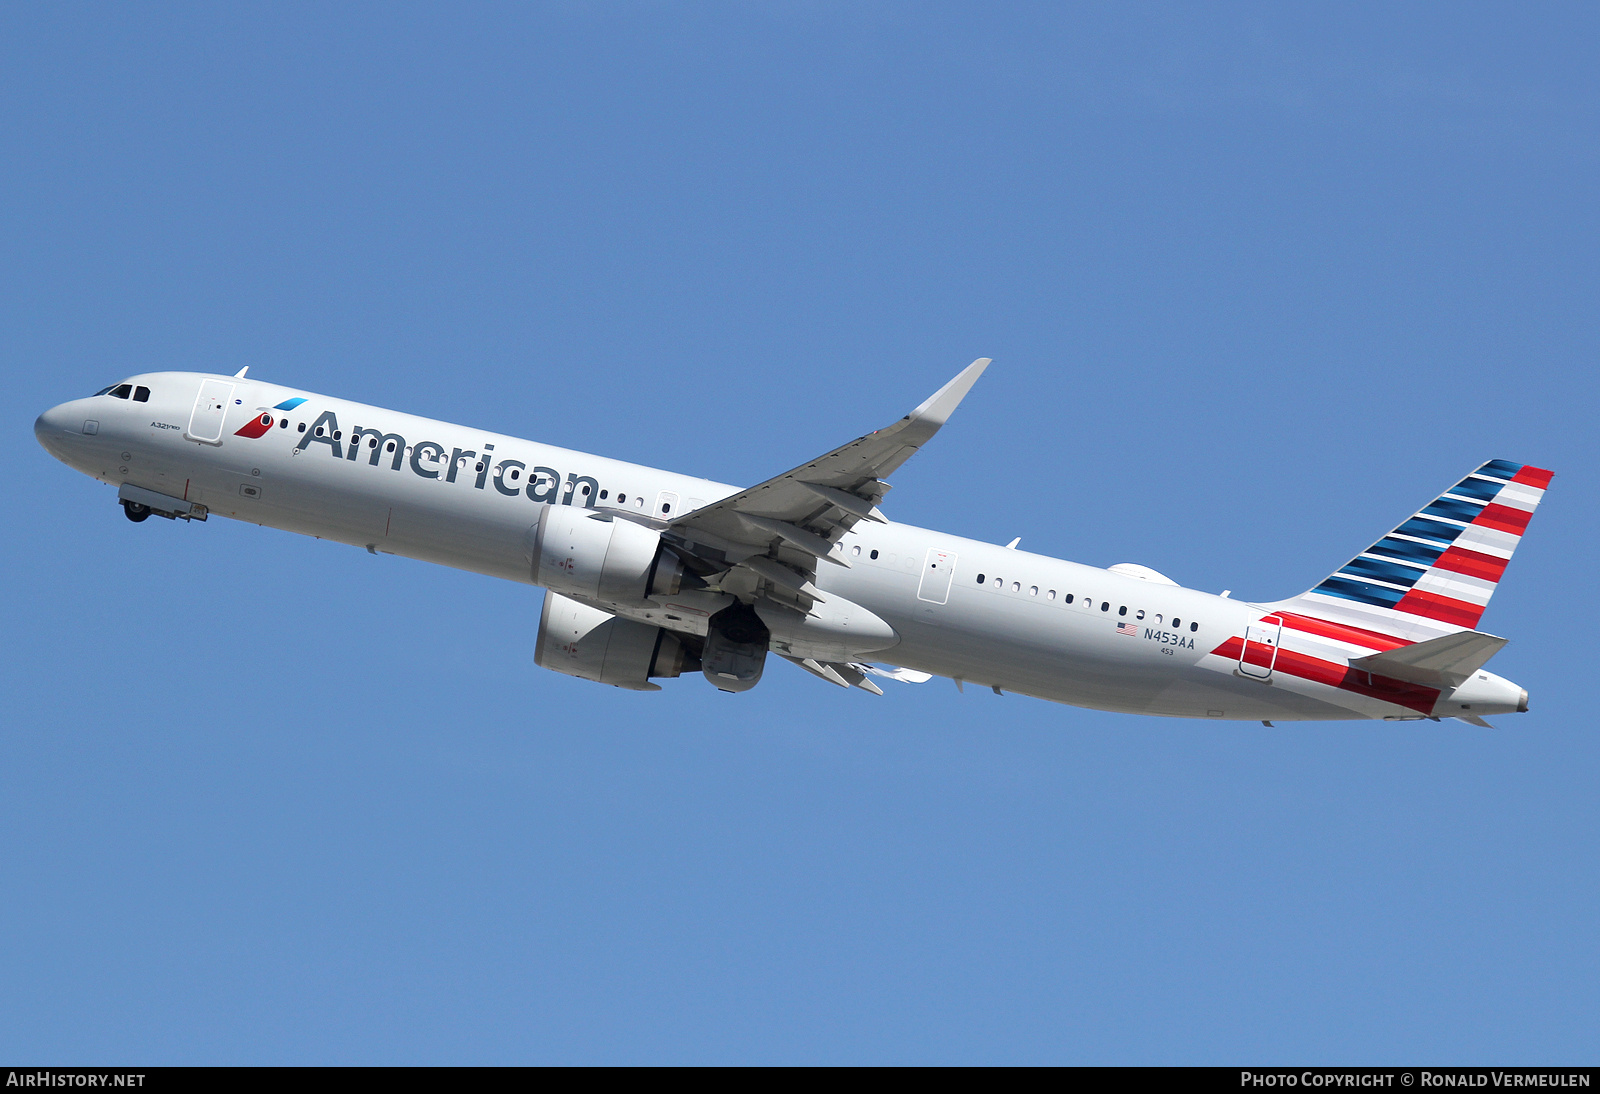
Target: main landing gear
135,512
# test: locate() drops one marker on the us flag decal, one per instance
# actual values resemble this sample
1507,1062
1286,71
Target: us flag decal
1128,629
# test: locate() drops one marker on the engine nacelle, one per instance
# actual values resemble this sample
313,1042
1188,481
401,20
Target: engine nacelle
594,645
735,652
581,553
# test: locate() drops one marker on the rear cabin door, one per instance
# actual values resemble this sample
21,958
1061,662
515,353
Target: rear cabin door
1260,652
938,569
210,408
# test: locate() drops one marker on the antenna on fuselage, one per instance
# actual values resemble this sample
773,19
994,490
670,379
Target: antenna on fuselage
240,374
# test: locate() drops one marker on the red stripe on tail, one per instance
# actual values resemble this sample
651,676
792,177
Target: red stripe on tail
1334,675
1445,609
1504,518
1472,563
1534,476
1341,632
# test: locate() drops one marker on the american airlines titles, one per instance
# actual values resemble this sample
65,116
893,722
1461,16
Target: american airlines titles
543,484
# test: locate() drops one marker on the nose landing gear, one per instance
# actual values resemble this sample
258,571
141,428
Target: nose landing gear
138,504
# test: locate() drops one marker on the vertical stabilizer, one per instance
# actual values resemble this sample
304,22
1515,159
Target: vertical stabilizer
1434,574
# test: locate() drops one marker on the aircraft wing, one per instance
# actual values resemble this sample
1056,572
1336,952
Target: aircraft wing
778,531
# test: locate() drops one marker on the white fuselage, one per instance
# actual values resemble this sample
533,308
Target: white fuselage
466,498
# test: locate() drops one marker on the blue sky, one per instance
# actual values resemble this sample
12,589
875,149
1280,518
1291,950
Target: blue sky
1259,281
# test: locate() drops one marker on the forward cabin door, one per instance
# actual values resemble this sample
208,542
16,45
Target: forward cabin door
1260,652
210,408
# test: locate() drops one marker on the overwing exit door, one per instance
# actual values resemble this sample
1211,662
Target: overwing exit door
1260,652
210,408
937,571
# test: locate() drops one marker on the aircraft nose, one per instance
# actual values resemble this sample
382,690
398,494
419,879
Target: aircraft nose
56,427
49,425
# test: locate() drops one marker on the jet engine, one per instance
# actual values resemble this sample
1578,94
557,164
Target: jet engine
594,645
600,557
736,648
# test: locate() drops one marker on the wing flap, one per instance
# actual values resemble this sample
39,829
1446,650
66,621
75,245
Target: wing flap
840,674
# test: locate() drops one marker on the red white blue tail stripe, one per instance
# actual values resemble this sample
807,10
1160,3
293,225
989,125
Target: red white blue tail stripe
1434,574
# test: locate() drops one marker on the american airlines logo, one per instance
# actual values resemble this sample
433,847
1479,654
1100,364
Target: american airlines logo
432,460
258,426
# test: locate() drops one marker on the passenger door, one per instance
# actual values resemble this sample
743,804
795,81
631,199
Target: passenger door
210,409
1260,651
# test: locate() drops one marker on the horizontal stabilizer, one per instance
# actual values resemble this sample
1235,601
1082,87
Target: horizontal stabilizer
1439,662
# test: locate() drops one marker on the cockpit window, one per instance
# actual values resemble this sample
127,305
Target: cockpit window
121,391
102,391
141,395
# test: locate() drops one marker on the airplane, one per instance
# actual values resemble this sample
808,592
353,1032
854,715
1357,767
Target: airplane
651,574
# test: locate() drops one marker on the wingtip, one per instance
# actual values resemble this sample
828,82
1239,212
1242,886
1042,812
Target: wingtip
941,404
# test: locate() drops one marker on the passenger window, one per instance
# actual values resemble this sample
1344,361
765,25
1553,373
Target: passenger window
302,428
999,581
1051,595
1194,626
665,508
622,499
1033,590
603,494
1176,622
1158,617
874,554
1122,610
1105,605
390,446
855,552
1016,586
980,579
514,474
1067,599
141,395
283,423
338,434
319,431
121,391
1139,614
